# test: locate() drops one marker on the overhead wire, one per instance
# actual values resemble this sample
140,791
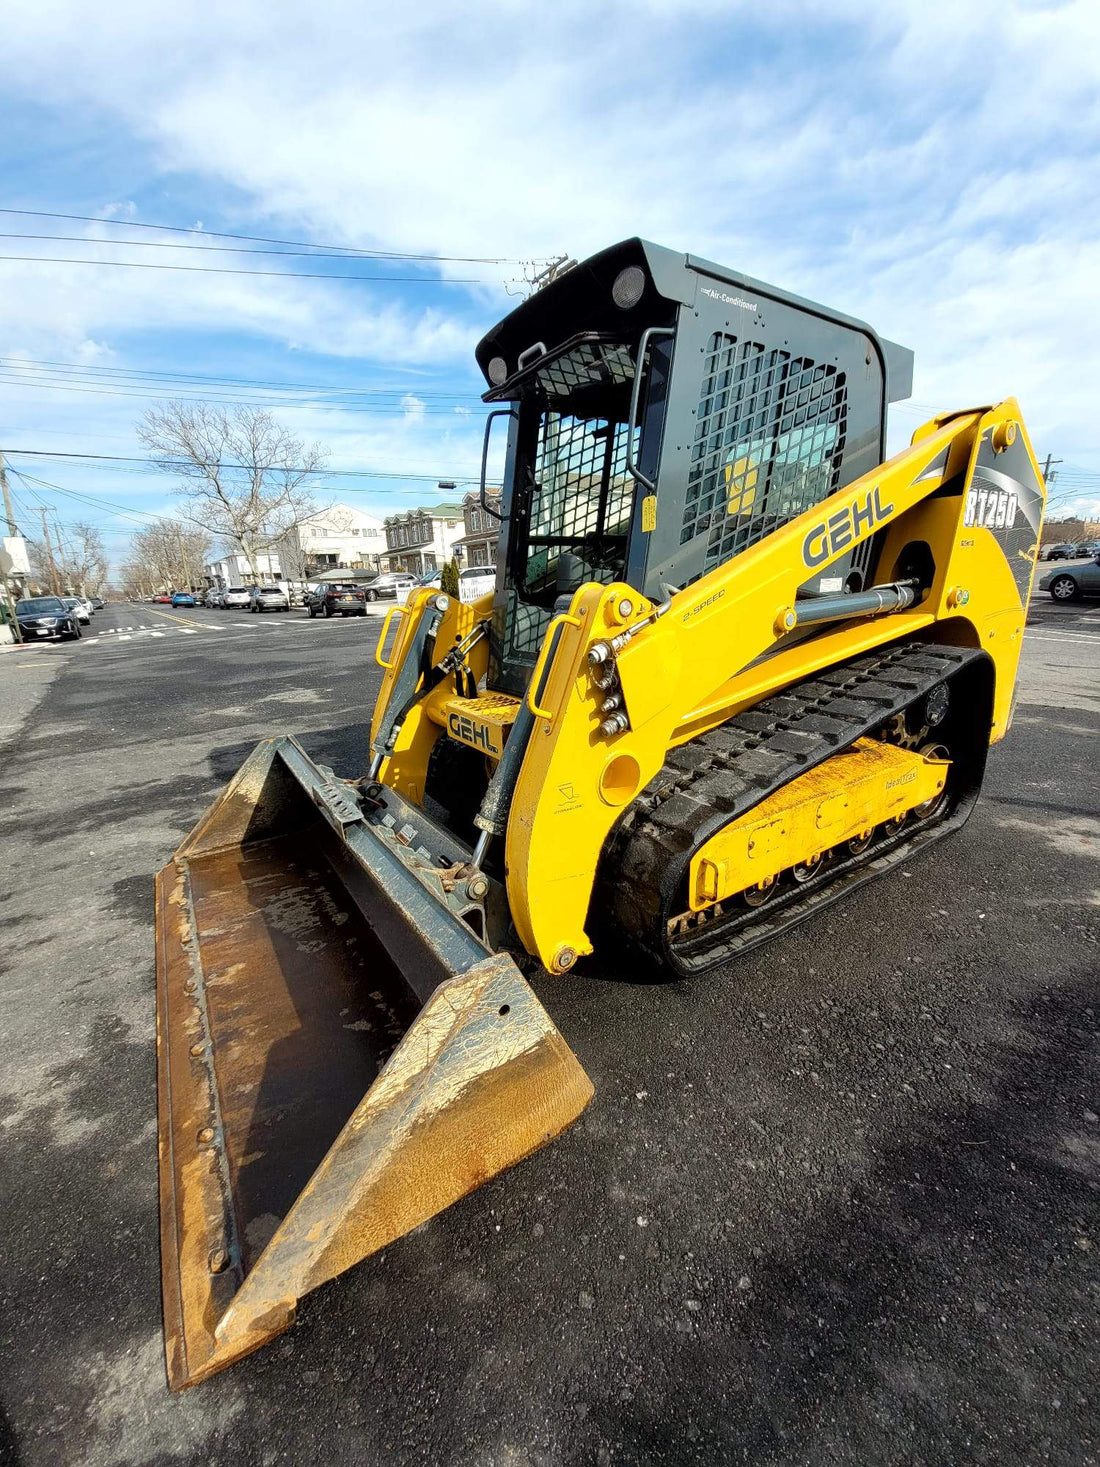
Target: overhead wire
226,270
393,410
228,380
263,239
163,464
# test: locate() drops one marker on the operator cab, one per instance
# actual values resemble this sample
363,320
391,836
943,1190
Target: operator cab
663,414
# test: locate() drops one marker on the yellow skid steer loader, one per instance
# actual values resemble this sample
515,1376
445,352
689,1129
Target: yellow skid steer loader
734,665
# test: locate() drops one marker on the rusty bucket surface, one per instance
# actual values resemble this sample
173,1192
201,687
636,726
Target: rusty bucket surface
340,1056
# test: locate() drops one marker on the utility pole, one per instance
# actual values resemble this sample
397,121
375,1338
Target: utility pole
62,554
9,513
1048,476
49,554
183,556
13,530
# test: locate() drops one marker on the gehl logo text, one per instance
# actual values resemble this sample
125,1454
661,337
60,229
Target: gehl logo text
467,731
830,536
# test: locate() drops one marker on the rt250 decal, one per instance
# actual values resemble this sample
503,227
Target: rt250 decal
830,536
990,509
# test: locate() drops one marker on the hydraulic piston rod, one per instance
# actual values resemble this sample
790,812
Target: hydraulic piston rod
875,601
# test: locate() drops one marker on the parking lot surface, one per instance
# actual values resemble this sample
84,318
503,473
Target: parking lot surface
835,1204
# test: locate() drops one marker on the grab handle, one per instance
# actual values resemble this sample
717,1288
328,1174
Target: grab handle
635,398
542,664
393,611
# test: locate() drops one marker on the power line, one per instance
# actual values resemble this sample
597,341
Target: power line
309,253
225,270
155,396
171,463
206,377
261,239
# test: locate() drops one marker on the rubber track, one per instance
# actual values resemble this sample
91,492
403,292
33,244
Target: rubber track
722,774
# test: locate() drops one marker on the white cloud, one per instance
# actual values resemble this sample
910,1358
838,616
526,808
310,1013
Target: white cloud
935,178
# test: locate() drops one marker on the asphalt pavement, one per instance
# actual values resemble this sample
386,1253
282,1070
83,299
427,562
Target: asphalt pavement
834,1204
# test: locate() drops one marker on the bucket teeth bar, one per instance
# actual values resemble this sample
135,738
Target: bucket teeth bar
326,1082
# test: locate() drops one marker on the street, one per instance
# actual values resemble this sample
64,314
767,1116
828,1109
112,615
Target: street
836,1204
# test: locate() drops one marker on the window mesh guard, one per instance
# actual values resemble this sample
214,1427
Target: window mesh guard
581,503
769,440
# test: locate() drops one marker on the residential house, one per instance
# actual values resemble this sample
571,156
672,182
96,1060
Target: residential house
482,530
232,569
420,540
341,536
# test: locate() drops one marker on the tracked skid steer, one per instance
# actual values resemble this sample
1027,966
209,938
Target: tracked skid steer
735,664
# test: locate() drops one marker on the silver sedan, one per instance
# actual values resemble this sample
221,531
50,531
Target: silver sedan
1073,580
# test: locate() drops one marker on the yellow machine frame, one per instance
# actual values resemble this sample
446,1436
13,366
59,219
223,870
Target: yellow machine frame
574,783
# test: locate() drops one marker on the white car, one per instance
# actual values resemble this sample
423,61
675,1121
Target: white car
269,598
237,598
76,603
90,604
476,581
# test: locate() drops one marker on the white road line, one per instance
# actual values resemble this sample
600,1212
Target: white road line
1061,637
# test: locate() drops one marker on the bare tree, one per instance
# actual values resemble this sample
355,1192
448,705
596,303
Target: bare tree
82,559
165,556
244,478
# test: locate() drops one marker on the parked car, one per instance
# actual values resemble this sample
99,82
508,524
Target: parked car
1073,582
46,617
268,598
162,600
332,598
476,581
237,598
98,603
183,598
1064,550
389,585
75,603
88,603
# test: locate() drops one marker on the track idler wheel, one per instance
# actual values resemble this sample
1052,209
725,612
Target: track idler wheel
933,806
756,896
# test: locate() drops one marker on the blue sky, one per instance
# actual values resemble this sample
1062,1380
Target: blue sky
935,172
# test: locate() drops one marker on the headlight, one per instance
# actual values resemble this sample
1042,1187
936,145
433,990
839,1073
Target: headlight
628,288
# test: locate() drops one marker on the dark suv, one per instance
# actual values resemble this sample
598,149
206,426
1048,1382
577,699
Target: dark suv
334,599
42,617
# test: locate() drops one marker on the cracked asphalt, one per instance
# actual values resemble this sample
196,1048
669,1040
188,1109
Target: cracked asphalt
835,1204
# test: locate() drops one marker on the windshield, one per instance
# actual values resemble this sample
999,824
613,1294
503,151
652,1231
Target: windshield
572,484
236,591
40,603
270,591
71,600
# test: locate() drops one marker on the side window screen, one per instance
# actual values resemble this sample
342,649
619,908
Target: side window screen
769,441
